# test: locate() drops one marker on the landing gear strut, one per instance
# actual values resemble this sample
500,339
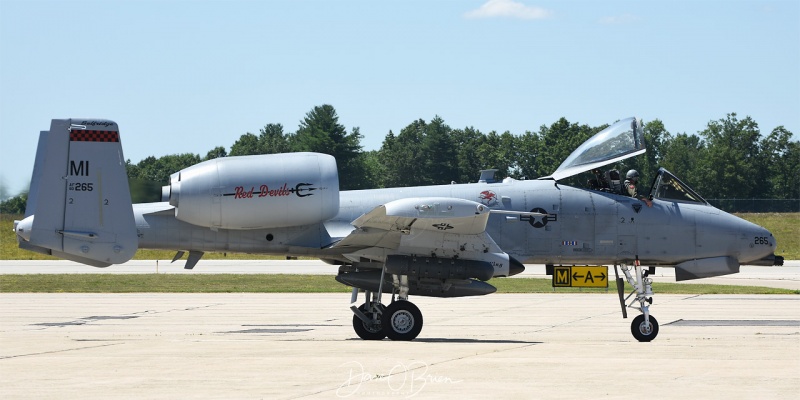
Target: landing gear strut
401,320
367,318
644,327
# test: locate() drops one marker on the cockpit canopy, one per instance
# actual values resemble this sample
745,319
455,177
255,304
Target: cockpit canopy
622,140
669,188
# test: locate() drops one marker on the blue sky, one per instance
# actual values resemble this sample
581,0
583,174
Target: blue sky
186,76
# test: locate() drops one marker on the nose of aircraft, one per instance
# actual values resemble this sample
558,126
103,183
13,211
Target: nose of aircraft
764,243
770,259
728,235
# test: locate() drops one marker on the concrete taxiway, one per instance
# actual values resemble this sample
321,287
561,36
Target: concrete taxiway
290,346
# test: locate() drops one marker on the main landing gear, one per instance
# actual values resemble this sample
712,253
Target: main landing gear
644,327
401,320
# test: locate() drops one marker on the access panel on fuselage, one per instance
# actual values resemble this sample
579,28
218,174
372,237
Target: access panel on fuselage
667,232
576,218
628,225
543,232
606,222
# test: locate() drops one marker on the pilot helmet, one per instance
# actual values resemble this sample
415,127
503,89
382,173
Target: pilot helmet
632,174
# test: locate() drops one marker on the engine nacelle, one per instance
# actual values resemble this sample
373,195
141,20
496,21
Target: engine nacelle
256,192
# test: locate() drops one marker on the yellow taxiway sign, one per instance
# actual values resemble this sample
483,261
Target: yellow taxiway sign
580,276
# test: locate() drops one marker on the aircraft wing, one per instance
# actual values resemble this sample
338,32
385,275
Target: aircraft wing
387,225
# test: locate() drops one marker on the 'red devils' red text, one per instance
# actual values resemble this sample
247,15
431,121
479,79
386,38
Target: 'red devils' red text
264,191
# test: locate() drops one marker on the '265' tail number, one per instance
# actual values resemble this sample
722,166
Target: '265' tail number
762,240
81,187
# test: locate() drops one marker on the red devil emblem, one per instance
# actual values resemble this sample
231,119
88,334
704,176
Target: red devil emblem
488,198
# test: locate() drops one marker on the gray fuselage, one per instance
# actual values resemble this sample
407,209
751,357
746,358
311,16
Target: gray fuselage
582,226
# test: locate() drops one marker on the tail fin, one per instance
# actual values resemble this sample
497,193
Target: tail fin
79,205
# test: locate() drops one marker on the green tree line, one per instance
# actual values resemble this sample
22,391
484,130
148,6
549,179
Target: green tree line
729,158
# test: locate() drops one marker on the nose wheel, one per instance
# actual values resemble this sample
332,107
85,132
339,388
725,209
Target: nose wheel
644,331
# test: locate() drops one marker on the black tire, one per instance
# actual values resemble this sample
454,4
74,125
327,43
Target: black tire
368,331
640,330
402,320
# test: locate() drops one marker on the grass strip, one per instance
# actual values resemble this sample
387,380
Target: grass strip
269,283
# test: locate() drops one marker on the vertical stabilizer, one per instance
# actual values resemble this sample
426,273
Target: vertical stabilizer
79,206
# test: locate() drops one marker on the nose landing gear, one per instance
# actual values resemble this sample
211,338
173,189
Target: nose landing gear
644,327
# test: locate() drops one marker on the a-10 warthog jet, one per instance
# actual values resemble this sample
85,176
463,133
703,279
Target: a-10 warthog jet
439,241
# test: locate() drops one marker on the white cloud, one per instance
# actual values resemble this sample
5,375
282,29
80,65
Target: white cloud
508,9
620,19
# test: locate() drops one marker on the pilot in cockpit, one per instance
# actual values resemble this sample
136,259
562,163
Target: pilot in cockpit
599,182
631,180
